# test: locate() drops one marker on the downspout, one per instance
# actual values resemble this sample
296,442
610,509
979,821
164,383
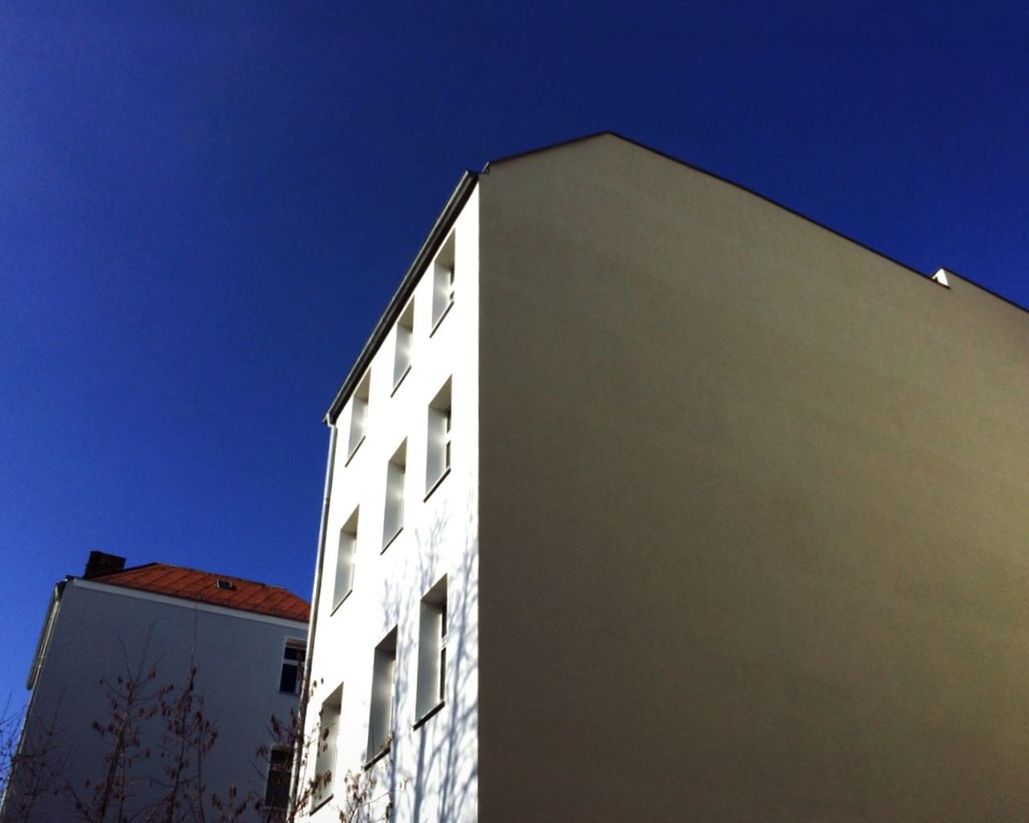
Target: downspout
313,625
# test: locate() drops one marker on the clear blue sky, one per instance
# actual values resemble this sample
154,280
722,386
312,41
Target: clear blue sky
205,206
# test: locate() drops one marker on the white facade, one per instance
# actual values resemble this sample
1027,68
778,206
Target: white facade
97,631
394,678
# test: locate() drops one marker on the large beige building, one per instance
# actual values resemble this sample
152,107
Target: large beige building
649,499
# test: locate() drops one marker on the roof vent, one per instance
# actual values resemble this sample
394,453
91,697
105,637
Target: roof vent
102,563
227,585
941,278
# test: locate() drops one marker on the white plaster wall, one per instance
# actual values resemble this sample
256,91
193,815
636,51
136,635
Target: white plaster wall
431,770
102,630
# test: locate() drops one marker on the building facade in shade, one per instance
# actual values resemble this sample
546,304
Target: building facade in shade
117,630
650,498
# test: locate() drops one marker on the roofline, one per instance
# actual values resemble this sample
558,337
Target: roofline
437,234
981,287
97,584
101,578
562,143
741,187
44,634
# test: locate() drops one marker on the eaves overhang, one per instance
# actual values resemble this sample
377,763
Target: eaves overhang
437,234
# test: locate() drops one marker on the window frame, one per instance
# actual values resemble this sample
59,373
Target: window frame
349,530
403,346
444,272
282,774
394,509
433,631
382,709
327,741
439,438
298,663
358,429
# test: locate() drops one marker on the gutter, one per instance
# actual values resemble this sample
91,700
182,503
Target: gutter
437,234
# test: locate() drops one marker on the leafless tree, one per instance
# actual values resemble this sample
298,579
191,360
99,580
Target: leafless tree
142,776
134,697
188,736
357,801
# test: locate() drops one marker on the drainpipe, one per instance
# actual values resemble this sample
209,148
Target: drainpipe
306,682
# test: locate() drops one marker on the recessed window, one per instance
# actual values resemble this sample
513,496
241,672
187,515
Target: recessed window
276,787
432,650
443,282
380,721
402,345
396,471
358,415
225,585
325,756
346,552
291,677
438,437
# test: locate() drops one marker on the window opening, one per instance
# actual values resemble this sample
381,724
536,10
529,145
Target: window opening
380,721
291,677
346,553
432,650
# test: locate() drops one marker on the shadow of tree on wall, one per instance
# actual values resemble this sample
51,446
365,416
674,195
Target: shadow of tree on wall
438,780
143,757
33,762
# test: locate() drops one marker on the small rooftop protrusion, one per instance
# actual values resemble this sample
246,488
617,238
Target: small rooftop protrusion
102,563
941,277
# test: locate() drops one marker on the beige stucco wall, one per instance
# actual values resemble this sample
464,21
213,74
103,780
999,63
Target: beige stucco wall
753,513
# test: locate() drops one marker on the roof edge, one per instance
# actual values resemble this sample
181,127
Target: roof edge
561,144
235,577
679,161
766,198
43,644
969,281
98,584
435,237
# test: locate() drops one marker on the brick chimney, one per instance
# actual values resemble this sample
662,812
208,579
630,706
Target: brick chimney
101,563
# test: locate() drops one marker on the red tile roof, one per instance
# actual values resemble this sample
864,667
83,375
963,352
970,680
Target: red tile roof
190,584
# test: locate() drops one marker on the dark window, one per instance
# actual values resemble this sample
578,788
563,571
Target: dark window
276,790
292,675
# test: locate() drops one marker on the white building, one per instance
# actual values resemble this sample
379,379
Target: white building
651,499
399,568
149,625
